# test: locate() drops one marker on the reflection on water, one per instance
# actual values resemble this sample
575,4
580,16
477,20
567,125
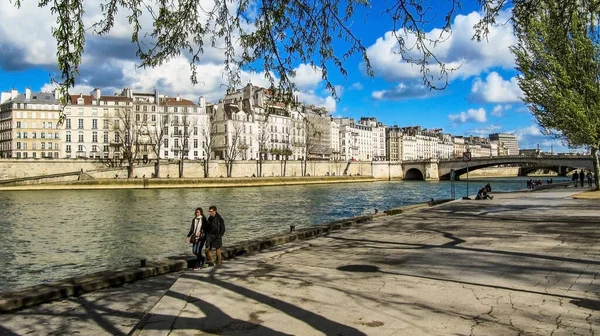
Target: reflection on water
48,235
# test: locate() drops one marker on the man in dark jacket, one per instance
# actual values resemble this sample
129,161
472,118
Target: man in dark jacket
215,232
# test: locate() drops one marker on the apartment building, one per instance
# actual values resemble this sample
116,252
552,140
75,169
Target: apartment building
378,132
507,143
393,143
105,126
29,125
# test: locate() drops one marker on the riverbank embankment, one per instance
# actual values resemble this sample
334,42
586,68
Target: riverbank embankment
526,256
166,183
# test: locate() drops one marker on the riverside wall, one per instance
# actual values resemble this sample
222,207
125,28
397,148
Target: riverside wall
24,168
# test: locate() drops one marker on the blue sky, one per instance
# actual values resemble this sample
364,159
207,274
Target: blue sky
482,97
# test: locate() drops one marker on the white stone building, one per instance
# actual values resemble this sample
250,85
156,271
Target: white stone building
29,125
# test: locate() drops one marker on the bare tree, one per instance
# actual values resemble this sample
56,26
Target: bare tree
127,134
181,132
263,138
285,153
157,133
208,141
232,142
314,133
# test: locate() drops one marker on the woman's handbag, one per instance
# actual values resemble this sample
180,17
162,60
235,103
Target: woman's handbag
194,239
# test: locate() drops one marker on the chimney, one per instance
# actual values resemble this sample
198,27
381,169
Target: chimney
4,97
27,93
96,93
156,97
57,94
13,93
202,103
178,98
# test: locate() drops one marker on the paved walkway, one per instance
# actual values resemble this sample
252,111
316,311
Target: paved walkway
520,264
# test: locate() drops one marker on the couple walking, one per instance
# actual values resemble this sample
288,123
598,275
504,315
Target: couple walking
207,232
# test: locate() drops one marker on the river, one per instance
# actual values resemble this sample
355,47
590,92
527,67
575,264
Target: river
54,234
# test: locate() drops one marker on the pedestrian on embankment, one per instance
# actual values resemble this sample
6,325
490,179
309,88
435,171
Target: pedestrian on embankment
582,177
575,178
590,178
214,237
197,236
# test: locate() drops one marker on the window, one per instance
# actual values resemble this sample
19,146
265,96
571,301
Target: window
95,137
137,117
166,143
43,145
50,125
34,135
80,124
105,137
106,148
80,148
195,130
18,124
176,120
56,136
79,111
145,116
195,143
68,124
176,143
94,123
34,155
166,153
195,153
24,135
105,124
80,137
153,116
25,146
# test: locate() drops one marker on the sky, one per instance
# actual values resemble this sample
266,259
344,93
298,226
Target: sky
482,97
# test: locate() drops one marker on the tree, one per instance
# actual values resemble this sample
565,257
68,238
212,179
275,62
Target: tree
273,35
232,143
208,141
315,123
128,135
158,132
263,140
559,57
182,131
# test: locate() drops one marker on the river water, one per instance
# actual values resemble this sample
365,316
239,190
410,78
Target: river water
54,234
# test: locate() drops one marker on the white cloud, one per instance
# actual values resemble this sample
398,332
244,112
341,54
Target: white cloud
485,131
470,115
403,91
307,76
356,86
499,110
458,50
496,90
310,98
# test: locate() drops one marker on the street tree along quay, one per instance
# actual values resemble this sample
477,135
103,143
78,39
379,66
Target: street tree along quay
271,36
559,57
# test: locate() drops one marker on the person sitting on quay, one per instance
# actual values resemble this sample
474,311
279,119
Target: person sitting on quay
483,194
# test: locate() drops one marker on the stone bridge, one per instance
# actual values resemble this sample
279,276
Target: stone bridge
433,169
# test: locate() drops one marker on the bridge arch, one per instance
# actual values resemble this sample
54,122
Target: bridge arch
565,162
414,174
